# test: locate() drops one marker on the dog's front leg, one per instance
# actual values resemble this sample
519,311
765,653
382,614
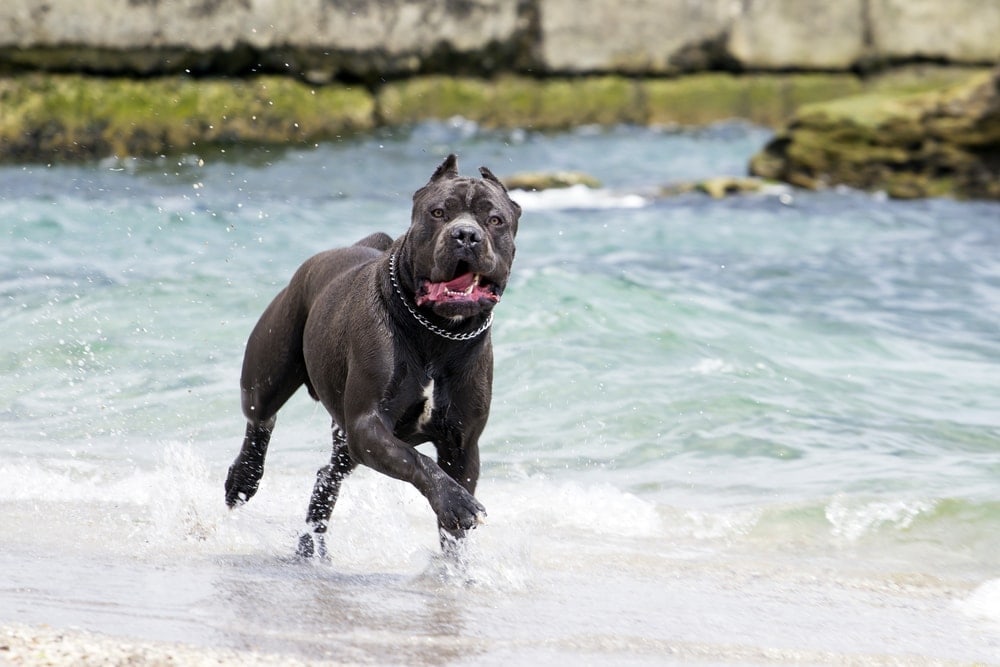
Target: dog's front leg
373,444
459,458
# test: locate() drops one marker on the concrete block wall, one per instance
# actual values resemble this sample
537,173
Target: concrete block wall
367,39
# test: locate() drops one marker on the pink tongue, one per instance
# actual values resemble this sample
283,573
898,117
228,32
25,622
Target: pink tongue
437,291
461,283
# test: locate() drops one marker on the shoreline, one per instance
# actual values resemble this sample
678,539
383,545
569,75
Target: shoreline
40,645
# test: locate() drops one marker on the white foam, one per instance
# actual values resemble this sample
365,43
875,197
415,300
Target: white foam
983,602
710,366
715,525
541,503
852,520
175,509
577,197
72,481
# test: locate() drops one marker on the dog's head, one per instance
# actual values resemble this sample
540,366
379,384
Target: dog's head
461,242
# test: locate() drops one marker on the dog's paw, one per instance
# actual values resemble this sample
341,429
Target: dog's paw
311,545
458,510
240,486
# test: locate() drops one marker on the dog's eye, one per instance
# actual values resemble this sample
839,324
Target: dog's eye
437,213
495,220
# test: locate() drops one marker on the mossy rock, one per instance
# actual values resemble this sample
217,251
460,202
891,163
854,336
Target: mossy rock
945,142
59,117
590,101
74,117
512,101
413,100
554,104
763,99
549,180
716,187
724,186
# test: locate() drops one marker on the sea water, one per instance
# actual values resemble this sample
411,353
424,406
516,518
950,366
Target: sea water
758,429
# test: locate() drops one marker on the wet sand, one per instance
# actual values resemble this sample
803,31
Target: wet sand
43,645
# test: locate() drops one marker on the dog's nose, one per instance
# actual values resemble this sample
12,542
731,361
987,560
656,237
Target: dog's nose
467,236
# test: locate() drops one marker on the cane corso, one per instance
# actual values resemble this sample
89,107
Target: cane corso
393,337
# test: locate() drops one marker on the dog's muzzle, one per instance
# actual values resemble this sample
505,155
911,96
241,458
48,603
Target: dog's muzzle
463,262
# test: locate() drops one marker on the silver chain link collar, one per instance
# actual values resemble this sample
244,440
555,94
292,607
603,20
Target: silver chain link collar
430,326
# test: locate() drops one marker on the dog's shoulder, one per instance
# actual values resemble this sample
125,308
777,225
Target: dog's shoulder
328,268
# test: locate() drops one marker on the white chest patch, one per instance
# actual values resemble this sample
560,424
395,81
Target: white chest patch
425,416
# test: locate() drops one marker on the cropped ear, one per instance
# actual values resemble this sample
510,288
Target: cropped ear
489,176
447,168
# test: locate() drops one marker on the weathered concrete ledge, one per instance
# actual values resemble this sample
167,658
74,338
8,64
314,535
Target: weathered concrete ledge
314,39
353,40
926,144
59,117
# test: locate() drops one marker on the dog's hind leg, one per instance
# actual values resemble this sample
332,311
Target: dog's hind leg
328,480
261,402
273,369
324,495
246,471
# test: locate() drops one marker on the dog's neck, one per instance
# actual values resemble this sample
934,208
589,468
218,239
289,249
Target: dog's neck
423,321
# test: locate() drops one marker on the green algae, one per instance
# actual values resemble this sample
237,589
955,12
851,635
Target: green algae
554,104
512,101
764,99
78,117
51,117
549,180
918,144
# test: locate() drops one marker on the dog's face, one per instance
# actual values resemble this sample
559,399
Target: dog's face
461,242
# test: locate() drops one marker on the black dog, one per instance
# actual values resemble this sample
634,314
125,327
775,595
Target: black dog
393,338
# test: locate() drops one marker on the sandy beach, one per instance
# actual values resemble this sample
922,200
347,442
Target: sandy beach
43,645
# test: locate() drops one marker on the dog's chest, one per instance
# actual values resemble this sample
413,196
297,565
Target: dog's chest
422,407
427,412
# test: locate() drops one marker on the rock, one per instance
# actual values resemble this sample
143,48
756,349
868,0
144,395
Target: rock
315,38
549,180
717,187
51,117
326,40
510,101
723,186
72,117
925,144
759,98
655,37
560,103
628,36
783,34
958,31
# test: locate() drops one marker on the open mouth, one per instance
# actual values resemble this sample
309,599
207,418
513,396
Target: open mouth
465,287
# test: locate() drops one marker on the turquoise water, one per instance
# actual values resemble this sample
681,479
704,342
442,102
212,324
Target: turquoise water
765,428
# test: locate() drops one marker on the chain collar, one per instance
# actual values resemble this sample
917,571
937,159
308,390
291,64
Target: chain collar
427,324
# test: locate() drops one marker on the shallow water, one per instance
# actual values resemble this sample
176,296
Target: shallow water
763,429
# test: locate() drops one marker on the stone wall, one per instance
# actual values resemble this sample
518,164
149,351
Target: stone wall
367,40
